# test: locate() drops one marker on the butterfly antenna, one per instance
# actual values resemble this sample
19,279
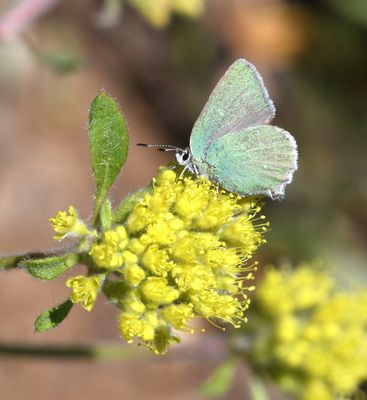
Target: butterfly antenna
162,147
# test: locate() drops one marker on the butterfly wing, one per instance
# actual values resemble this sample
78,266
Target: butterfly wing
239,100
260,159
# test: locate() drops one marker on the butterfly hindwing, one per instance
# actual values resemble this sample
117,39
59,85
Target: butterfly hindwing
260,159
239,100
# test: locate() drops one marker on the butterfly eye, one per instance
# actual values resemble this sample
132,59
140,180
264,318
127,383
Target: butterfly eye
185,157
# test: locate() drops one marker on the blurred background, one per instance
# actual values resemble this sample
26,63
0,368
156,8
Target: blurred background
160,60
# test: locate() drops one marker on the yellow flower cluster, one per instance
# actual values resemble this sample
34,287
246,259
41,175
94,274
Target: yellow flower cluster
179,253
158,12
309,336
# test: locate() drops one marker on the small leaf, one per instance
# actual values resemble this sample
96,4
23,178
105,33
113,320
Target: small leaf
108,139
126,206
50,267
258,389
9,262
52,317
63,62
219,382
115,291
106,215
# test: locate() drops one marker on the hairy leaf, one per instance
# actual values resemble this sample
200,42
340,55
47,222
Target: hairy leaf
126,206
50,267
8,262
108,139
52,317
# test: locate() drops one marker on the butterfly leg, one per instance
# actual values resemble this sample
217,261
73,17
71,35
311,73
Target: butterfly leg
183,171
269,193
194,169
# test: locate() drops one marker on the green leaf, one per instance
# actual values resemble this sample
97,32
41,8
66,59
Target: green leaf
354,9
115,291
219,382
9,262
53,316
126,206
50,267
108,139
106,215
63,63
258,389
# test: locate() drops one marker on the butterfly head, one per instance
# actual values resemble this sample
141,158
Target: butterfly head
183,157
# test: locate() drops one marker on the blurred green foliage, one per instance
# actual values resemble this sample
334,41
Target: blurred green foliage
63,63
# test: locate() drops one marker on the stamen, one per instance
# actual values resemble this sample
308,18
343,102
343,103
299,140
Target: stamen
217,326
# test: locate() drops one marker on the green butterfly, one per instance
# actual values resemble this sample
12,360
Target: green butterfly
232,143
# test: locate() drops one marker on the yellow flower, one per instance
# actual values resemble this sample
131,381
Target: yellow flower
134,274
156,260
211,304
140,217
65,224
130,325
85,290
158,12
193,200
110,253
244,233
157,290
193,278
312,335
317,389
178,315
134,303
174,257
192,8
135,325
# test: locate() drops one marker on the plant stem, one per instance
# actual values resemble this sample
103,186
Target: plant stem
121,212
95,352
96,210
21,14
212,350
12,261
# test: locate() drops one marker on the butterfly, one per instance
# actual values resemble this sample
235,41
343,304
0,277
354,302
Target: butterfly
232,143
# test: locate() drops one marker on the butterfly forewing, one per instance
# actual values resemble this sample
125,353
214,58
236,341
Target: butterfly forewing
239,100
255,160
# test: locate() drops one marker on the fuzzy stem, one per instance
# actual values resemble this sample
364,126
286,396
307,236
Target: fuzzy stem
121,212
96,352
12,261
211,349
96,211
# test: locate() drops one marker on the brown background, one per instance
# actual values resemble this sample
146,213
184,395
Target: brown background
313,59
